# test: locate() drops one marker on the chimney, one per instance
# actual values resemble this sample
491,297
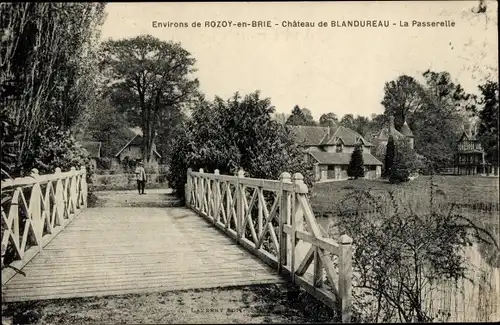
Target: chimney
391,125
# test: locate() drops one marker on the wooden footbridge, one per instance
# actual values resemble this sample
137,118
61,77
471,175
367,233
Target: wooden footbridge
233,231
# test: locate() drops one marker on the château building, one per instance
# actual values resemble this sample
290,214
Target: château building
330,149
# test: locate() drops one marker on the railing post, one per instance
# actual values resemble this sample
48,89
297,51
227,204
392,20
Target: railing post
84,186
345,277
72,189
297,219
188,188
240,205
60,204
285,178
215,193
201,190
35,206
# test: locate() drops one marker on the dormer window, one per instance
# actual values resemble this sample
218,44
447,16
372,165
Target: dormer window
339,148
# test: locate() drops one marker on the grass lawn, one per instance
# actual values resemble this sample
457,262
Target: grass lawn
468,190
457,189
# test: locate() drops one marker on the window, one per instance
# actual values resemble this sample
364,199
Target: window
338,148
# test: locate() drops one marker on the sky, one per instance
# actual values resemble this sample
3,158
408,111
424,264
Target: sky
325,69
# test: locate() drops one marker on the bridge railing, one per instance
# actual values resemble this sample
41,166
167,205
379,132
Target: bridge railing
274,220
34,210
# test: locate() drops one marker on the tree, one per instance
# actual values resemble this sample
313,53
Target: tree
47,55
348,121
437,109
300,117
148,78
109,126
236,133
437,125
170,123
488,120
405,162
324,119
307,113
402,97
376,123
390,151
356,164
281,118
362,125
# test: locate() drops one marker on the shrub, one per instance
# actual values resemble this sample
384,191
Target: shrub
399,175
405,162
403,245
389,156
54,147
356,164
104,163
233,134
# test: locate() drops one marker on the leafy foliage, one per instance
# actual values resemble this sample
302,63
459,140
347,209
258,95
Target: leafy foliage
109,126
402,97
356,164
435,110
38,84
348,121
403,245
151,80
405,162
233,134
390,152
9,137
55,147
48,75
281,118
489,119
300,117
324,119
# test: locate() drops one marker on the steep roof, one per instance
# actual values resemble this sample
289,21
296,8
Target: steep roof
93,148
347,136
343,158
136,141
405,130
383,134
309,135
468,136
319,135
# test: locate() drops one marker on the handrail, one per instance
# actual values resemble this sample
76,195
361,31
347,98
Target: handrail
31,220
31,180
272,219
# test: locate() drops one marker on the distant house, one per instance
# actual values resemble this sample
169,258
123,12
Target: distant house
382,137
94,150
470,156
133,151
330,149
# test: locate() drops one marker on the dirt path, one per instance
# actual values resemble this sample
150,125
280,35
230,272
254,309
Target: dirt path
258,304
131,198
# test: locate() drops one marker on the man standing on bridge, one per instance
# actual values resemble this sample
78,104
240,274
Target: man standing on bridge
140,175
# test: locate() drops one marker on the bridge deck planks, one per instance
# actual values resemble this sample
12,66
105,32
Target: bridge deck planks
110,251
